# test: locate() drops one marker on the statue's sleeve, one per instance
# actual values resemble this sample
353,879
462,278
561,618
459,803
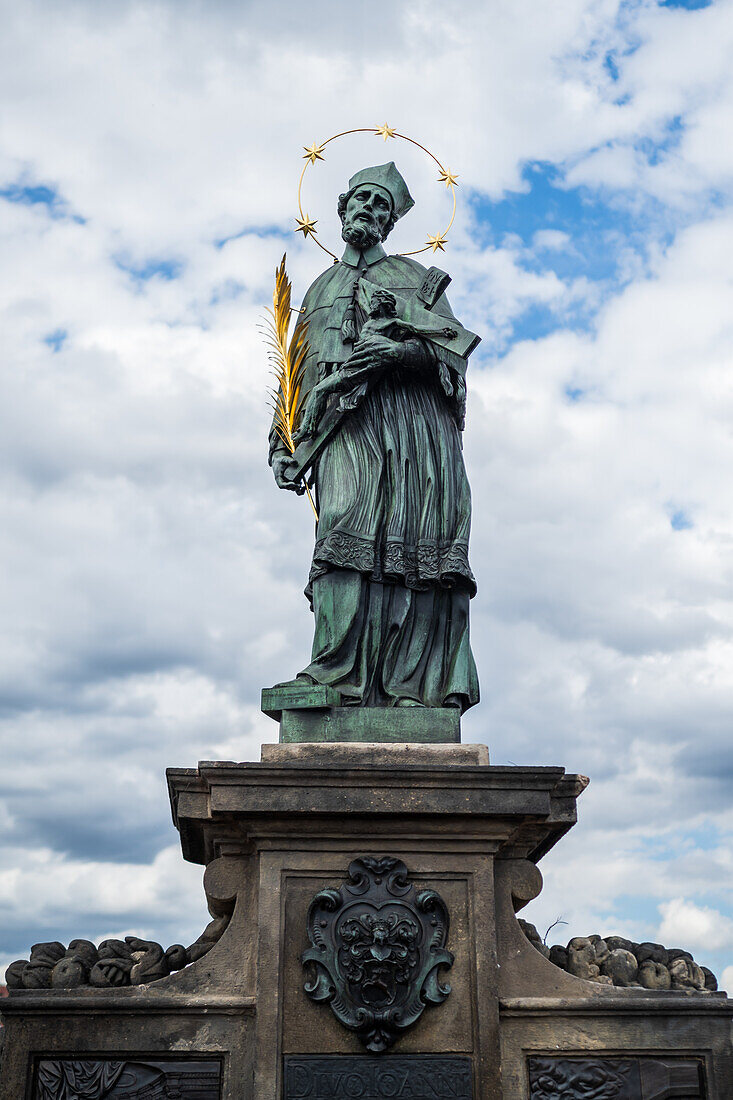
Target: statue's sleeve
451,367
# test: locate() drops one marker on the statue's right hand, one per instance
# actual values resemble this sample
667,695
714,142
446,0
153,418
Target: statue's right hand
282,467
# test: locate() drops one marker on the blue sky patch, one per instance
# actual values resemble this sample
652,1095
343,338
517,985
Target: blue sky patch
644,912
574,393
255,231
680,521
39,194
576,233
600,231
538,320
704,837
153,267
691,5
609,64
226,291
654,149
56,339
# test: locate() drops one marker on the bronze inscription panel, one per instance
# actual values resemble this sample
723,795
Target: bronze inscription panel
360,1077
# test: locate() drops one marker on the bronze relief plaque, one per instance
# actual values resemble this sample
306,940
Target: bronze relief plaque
127,1078
377,946
634,1077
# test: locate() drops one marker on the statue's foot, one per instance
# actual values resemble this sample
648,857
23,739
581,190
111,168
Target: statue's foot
453,701
408,703
301,680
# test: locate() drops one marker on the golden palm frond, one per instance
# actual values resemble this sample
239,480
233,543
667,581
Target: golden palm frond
287,360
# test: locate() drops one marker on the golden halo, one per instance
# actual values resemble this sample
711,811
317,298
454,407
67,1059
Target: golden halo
307,225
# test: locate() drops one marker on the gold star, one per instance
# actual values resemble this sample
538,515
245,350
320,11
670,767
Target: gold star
306,226
314,153
447,177
437,242
385,130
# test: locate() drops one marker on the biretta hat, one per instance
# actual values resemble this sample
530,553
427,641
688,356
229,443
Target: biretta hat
386,176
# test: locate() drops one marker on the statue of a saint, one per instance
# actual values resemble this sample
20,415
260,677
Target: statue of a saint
390,581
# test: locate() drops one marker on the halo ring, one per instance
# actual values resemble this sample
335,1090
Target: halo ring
306,225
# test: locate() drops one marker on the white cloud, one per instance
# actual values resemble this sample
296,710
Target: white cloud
551,239
685,922
726,979
130,898
151,576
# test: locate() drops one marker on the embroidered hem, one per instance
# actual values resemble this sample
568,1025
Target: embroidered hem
427,565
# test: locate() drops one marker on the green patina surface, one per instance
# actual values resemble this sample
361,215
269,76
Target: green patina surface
390,581
422,725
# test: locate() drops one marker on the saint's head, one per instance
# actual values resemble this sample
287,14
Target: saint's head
376,198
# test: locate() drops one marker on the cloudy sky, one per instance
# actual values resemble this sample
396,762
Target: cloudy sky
151,574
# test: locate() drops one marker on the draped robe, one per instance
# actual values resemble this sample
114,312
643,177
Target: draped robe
390,580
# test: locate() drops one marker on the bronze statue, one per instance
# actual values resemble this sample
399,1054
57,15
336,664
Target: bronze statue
380,436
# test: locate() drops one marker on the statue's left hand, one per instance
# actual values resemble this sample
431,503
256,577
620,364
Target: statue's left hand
281,463
374,352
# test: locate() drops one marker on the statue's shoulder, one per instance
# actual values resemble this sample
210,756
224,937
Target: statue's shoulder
408,267
406,272
320,286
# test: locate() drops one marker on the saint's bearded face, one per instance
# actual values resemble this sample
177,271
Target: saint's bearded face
367,216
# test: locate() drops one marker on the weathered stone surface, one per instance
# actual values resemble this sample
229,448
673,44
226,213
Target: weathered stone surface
602,960
670,1077
44,956
653,951
434,725
379,754
686,974
582,961
534,938
453,1027
615,942
115,963
654,975
558,956
711,982
620,966
275,834
523,810
677,953
69,973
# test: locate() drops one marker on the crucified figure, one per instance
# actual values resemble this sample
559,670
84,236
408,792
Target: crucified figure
353,379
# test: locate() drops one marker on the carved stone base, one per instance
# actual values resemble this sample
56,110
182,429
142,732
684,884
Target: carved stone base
375,753
287,843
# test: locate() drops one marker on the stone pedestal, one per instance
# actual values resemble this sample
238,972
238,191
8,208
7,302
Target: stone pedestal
275,834
300,817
